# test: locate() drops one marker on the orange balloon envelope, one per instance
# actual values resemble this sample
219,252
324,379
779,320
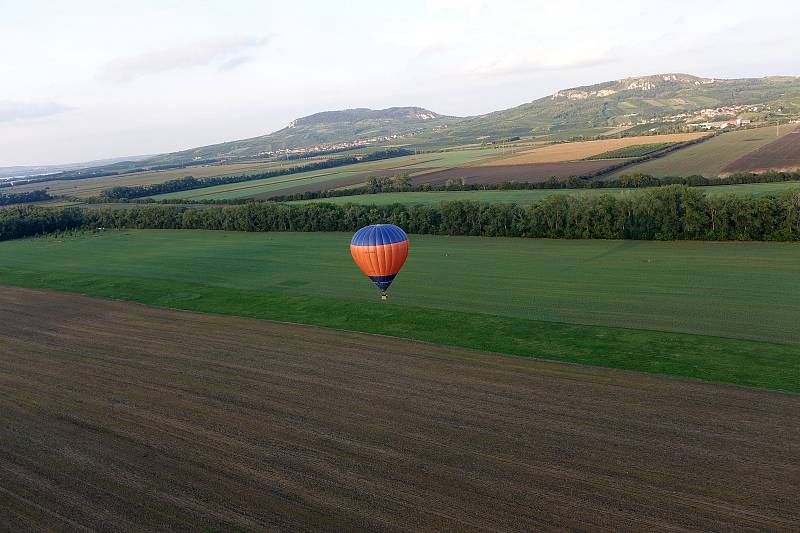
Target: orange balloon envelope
380,251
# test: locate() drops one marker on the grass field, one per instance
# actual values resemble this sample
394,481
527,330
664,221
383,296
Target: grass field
708,158
566,300
637,150
84,188
437,197
533,172
555,153
116,416
453,158
332,177
259,187
527,197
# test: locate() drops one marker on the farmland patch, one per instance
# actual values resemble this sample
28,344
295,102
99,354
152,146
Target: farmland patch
186,421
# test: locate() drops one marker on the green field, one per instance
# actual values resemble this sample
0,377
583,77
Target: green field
527,197
719,311
252,188
454,158
637,150
411,163
707,158
755,189
87,187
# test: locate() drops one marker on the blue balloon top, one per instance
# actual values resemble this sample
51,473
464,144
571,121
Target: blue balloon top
378,234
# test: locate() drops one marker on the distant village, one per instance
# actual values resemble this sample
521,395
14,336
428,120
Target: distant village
340,146
332,147
701,119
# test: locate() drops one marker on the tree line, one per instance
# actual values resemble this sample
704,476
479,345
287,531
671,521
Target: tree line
24,197
187,183
673,212
402,182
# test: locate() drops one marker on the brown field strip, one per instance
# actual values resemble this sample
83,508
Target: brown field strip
116,416
554,153
781,154
498,174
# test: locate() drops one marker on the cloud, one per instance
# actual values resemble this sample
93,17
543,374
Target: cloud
10,110
517,65
226,50
234,62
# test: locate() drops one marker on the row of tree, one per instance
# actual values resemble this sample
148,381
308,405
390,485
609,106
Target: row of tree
24,197
664,213
401,182
187,183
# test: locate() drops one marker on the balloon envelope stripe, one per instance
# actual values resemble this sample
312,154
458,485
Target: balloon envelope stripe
378,234
381,260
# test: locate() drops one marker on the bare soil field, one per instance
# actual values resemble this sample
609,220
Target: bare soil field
781,154
529,172
572,151
116,416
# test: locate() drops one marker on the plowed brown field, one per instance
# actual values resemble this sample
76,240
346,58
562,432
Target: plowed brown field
116,416
780,154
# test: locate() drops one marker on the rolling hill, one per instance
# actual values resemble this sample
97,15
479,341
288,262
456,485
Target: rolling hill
321,129
663,102
630,100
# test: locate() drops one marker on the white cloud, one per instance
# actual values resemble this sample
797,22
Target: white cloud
11,110
226,51
234,62
511,64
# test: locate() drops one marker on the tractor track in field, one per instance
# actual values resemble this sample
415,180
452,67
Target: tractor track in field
118,416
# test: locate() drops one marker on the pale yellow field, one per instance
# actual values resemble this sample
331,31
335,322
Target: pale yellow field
554,153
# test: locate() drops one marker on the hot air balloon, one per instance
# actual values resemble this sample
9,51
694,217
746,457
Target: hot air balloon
380,251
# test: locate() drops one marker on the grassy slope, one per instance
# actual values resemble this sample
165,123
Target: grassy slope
550,114
707,158
505,295
529,196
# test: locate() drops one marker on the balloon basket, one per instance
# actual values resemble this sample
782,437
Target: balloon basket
384,296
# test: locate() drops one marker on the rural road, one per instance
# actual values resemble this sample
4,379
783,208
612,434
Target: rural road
117,416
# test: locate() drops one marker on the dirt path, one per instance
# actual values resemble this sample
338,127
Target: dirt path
117,416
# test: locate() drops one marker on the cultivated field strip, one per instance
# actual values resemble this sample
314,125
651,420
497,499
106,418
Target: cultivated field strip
781,154
555,153
117,416
708,158
532,172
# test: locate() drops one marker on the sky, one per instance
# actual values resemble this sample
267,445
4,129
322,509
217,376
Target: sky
85,80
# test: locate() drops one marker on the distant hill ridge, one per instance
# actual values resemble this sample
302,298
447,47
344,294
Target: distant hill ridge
606,104
321,129
642,84
360,114
611,103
